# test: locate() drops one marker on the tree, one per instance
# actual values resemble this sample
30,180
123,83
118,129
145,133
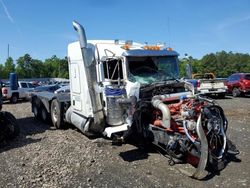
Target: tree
8,67
63,68
37,69
24,69
1,71
56,67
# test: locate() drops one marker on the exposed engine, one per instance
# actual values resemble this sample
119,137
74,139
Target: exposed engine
190,129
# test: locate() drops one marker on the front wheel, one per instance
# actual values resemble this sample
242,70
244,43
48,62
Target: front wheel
57,114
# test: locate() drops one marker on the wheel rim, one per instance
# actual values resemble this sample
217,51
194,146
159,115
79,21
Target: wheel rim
235,92
55,114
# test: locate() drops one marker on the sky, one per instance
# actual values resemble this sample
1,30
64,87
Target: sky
43,28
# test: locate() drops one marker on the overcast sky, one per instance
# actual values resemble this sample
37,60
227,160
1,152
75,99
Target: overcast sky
43,28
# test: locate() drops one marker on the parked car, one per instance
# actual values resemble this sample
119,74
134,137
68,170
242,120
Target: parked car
238,84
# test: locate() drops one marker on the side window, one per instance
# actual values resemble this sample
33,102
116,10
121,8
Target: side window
30,85
113,69
233,78
24,85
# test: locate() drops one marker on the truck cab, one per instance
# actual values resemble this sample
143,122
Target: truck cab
119,70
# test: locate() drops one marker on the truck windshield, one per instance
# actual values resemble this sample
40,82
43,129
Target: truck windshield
147,70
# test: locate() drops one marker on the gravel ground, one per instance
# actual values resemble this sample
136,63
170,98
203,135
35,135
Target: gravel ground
44,157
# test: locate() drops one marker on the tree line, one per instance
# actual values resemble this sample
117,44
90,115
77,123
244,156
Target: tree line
27,67
222,64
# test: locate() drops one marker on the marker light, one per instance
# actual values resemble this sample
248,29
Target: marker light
126,46
147,47
169,49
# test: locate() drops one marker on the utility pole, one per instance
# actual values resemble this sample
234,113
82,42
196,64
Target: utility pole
8,52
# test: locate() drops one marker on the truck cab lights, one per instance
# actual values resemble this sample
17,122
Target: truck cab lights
147,47
127,45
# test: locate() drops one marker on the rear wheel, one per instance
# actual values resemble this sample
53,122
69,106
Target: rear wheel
14,99
44,114
236,92
36,108
57,114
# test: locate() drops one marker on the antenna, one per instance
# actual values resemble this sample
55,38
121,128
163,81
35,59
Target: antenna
169,36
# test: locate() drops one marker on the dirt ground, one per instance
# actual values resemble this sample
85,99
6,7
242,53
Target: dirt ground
44,157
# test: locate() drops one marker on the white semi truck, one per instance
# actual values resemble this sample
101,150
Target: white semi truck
126,88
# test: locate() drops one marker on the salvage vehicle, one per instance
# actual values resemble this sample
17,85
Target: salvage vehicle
238,84
122,89
8,124
207,84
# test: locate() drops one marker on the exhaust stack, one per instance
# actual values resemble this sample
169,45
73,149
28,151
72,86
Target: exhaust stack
81,32
90,72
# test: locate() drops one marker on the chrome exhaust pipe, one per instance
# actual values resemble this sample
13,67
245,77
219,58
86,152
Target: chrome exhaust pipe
91,77
81,32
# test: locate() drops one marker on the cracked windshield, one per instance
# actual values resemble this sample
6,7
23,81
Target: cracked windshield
147,70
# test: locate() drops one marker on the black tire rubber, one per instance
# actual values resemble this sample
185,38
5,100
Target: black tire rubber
44,114
242,94
12,129
236,92
36,108
36,111
221,95
14,99
56,112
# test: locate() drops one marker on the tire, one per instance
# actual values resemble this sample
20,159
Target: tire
56,112
236,92
222,95
36,108
242,94
44,114
12,129
36,111
14,99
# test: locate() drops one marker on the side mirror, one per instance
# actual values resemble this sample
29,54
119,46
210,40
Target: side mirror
189,71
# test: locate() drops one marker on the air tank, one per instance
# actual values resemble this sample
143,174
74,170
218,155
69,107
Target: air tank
13,78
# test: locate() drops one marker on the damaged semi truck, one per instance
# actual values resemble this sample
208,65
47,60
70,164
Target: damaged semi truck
129,89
